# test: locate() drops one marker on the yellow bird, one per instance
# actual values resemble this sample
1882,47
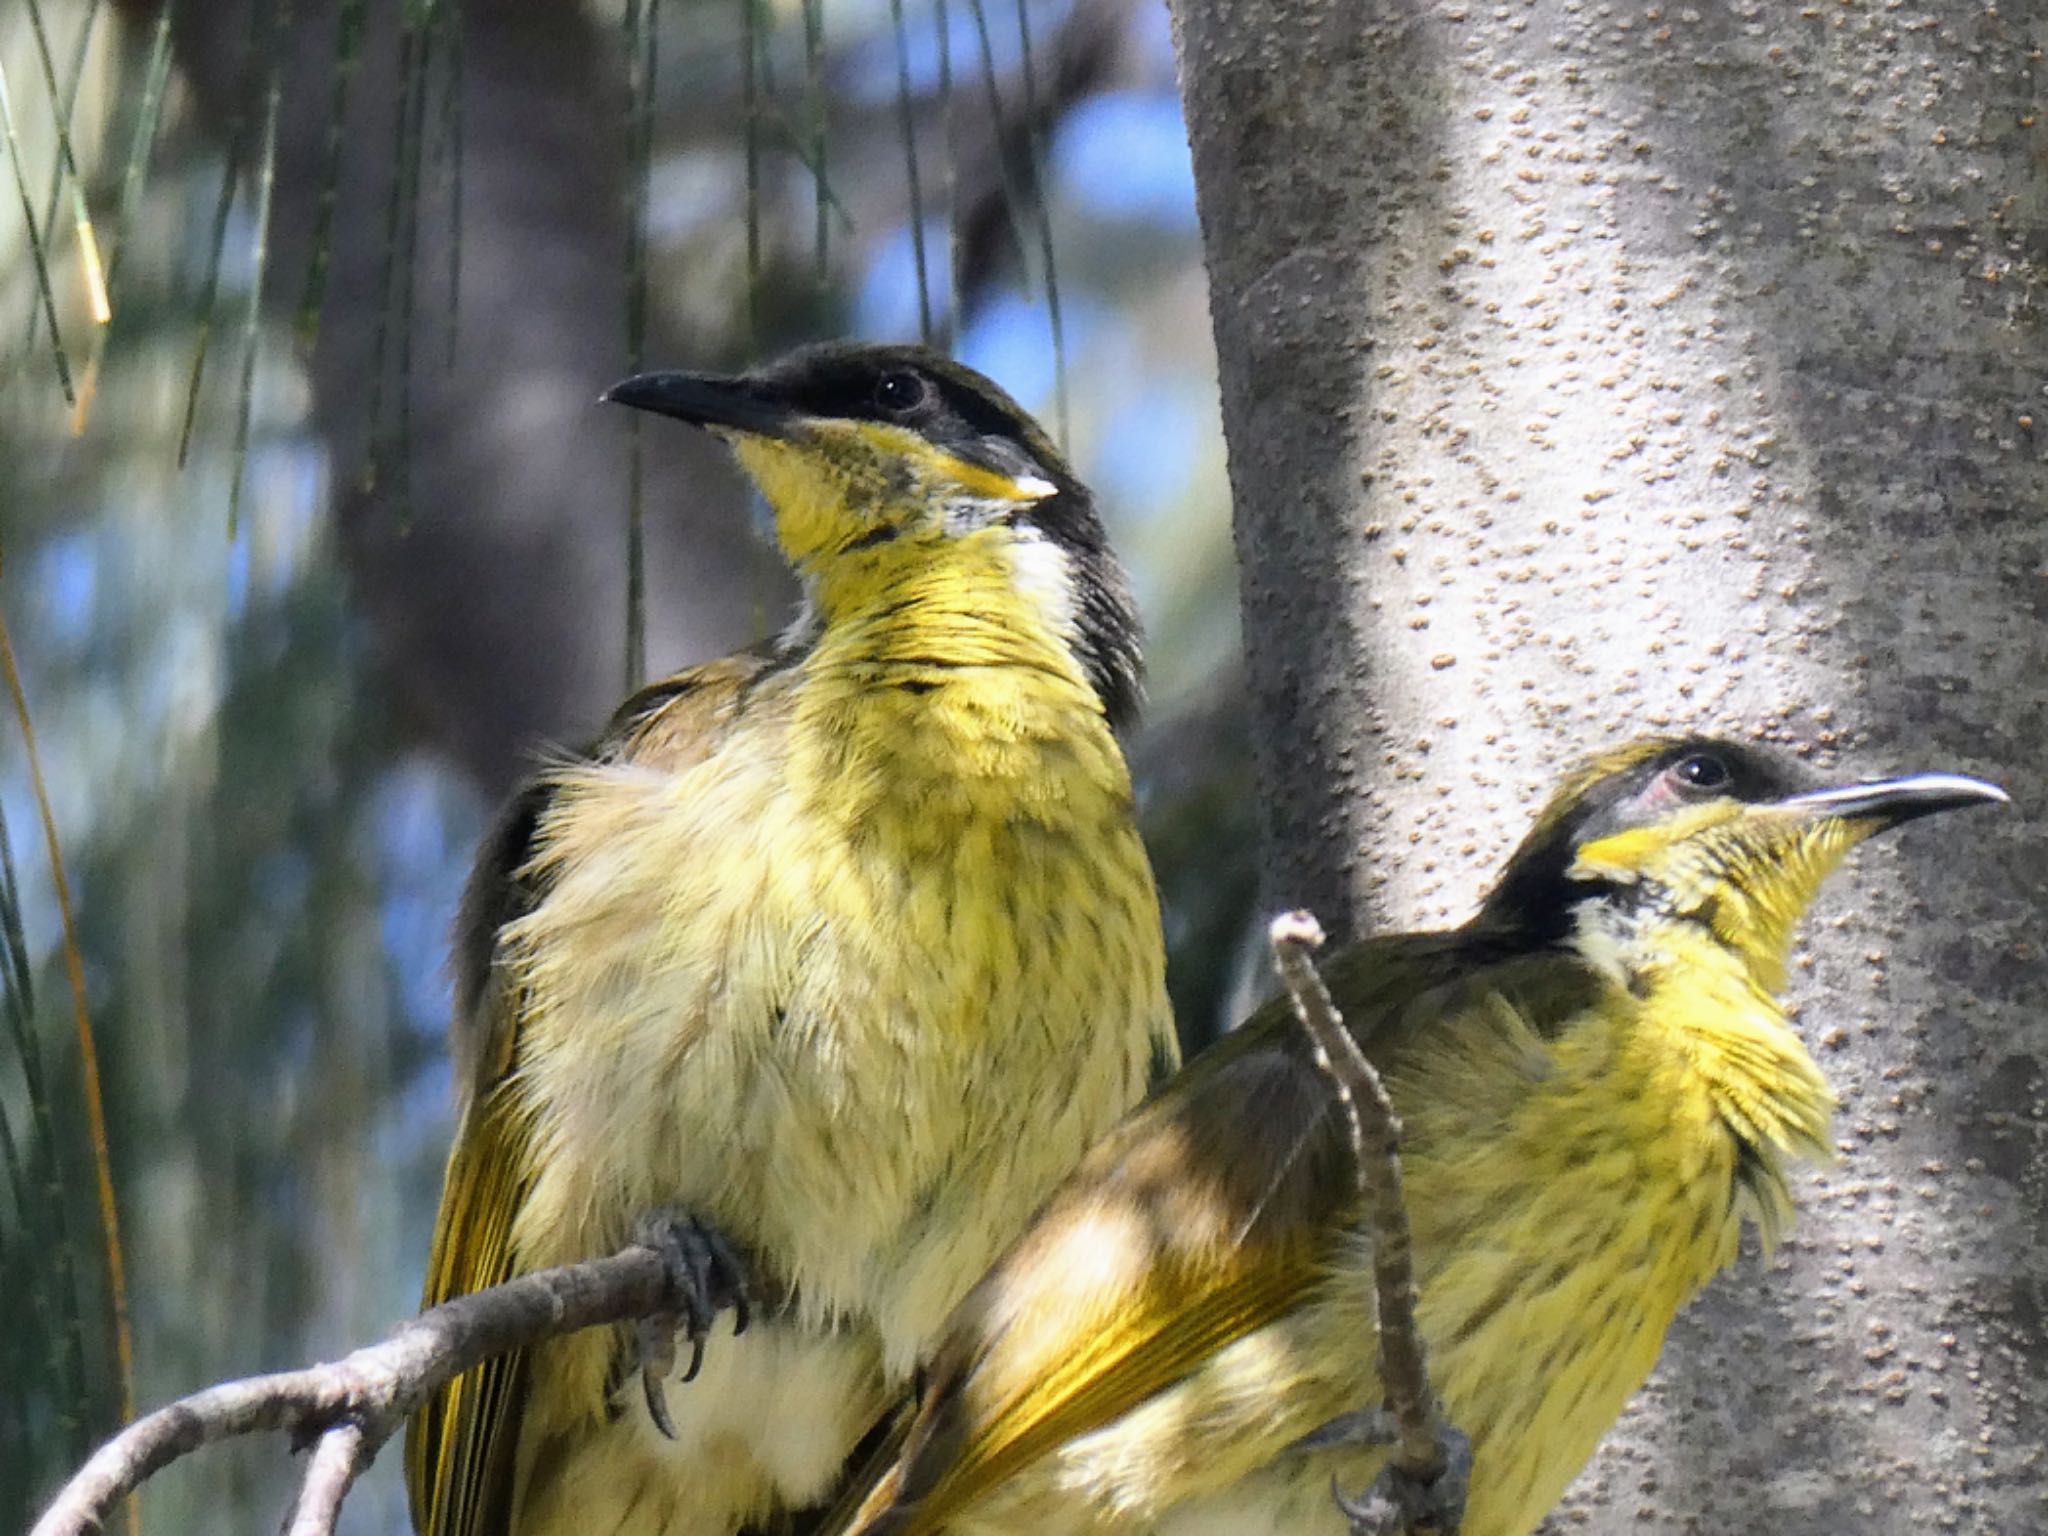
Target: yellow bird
820,968
1597,1088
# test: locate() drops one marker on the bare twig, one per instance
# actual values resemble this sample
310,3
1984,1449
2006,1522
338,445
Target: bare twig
337,1460
351,1406
1419,1436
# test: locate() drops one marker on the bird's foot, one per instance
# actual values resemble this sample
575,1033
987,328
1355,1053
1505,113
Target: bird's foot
1398,1503
706,1276
1361,1427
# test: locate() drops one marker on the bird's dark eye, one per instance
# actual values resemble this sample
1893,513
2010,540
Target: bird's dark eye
1702,770
899,392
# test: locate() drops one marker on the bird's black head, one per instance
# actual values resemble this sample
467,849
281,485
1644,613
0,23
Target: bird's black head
1701,827
869,453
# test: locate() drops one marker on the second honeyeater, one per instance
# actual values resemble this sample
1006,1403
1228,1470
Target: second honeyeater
829,959
1597,1088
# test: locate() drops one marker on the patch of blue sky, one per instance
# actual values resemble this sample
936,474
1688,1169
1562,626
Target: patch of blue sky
419,874
285,498
885,308
238,574
417,1118
691,190
1010,339
1146,452
40,918
238,242
411,826
175,683
414,926
1151,39
871,71
1124,155
64,581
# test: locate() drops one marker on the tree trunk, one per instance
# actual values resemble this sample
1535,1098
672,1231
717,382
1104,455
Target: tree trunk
1590,370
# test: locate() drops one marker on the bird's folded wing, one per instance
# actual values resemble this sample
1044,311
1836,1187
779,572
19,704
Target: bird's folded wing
1163,1333
1167,1245
460,1448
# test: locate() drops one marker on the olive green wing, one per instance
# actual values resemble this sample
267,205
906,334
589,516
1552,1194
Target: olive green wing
1208,1214
460,1446
1166,1244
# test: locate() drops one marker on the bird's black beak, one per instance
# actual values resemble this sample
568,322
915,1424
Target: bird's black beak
1889,802
708,400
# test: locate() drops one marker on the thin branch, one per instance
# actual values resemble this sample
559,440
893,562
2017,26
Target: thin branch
331,1471
1419,1437
353,1405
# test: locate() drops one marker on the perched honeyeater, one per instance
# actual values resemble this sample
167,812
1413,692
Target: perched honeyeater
1597,1088
823,965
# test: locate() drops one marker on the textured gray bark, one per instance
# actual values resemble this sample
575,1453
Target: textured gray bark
1590,369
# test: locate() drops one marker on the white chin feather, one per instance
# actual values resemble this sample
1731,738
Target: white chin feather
1042,573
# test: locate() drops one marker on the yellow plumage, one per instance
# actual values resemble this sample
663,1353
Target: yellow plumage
1596,1087
848,948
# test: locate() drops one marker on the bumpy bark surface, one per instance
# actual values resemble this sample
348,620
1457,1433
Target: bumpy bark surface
1591,369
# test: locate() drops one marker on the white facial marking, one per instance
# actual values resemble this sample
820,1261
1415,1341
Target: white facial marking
806,625
1042,573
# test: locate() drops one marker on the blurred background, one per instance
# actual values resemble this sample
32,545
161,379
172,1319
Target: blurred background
310,547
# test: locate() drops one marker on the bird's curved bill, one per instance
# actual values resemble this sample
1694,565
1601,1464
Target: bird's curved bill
1888,802
717,401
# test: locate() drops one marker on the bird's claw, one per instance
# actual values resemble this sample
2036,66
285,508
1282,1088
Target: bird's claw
706,1276
1401,1504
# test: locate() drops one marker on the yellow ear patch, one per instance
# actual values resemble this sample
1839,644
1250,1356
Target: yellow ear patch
995,486
1624,856
977,480
934,464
